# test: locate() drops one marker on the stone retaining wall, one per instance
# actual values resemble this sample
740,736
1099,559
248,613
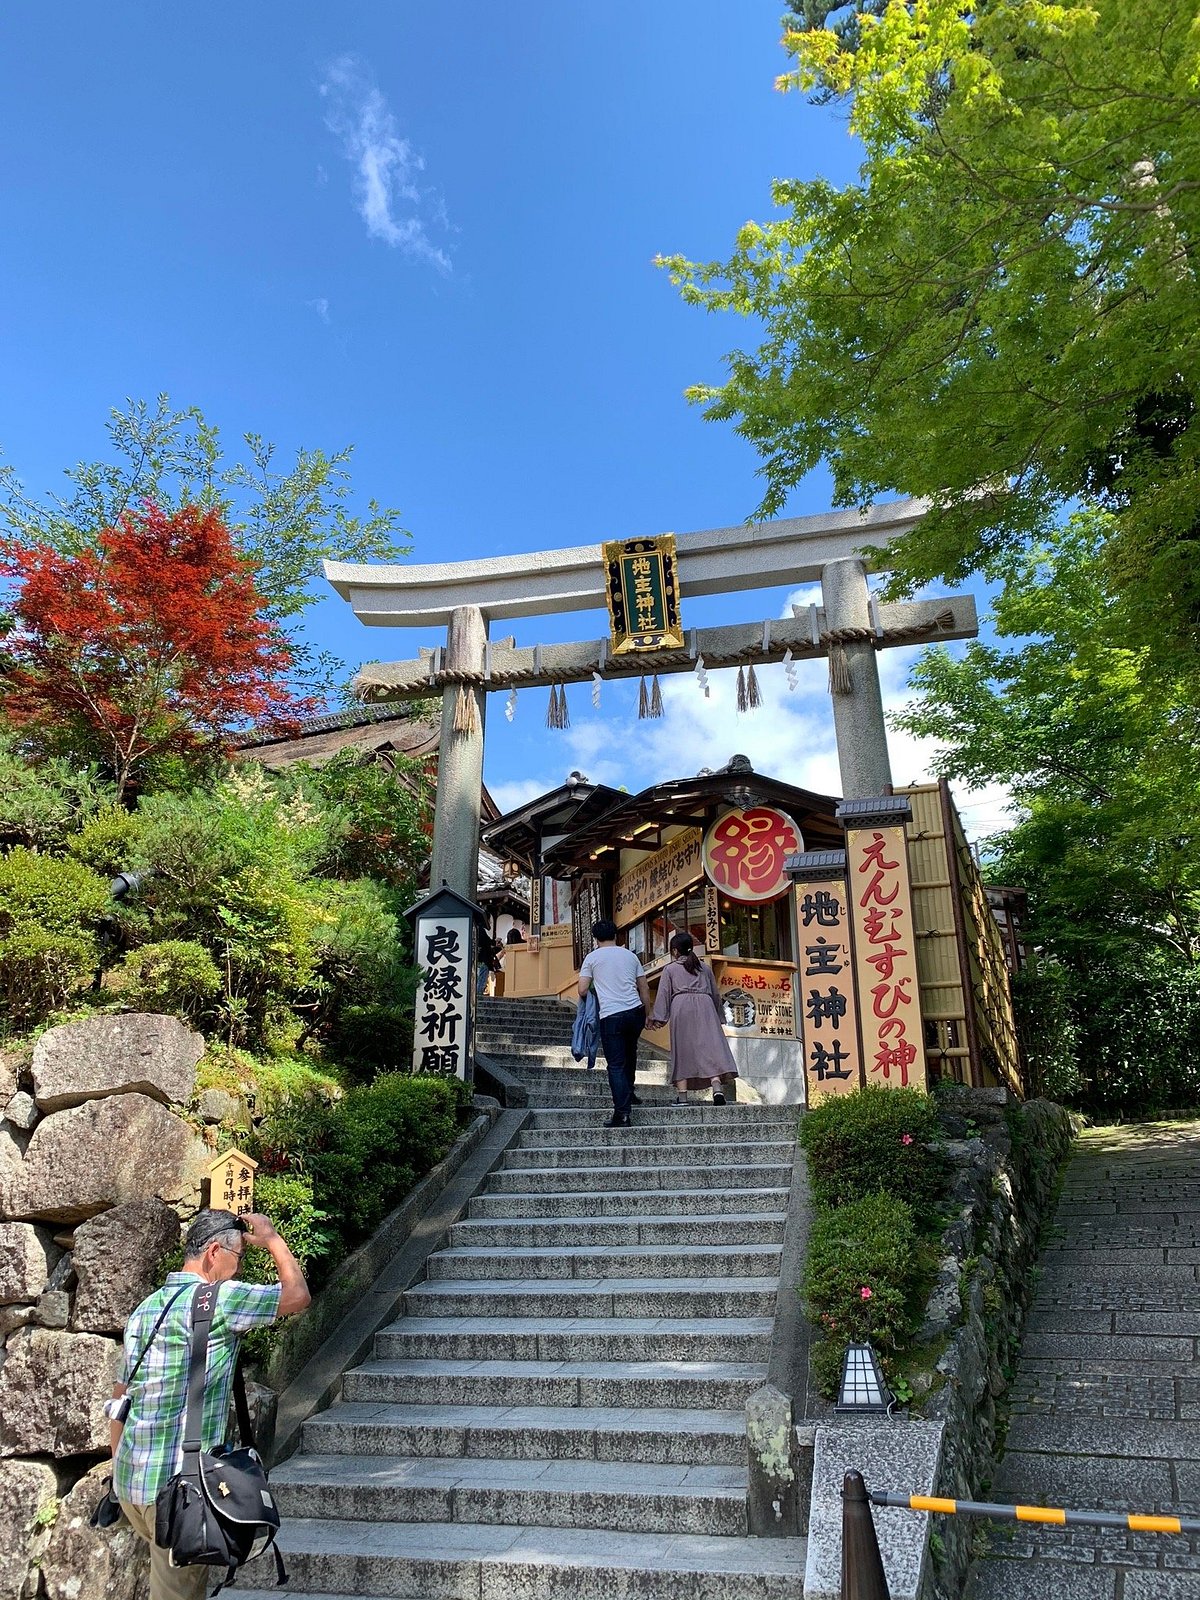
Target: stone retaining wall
96,1169
1006,1158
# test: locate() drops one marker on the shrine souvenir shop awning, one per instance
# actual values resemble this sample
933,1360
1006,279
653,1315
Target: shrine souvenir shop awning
639,820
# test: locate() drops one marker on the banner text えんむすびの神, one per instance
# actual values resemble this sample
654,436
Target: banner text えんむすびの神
885,962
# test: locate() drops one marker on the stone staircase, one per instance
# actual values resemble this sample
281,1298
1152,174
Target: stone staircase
531,1039
559,1411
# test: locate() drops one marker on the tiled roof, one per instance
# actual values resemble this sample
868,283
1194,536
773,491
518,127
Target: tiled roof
332,722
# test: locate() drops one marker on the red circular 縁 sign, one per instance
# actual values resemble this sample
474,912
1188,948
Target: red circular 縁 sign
744,853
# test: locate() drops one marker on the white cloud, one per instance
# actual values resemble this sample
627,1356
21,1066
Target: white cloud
790,737
321,306
393,201
511,796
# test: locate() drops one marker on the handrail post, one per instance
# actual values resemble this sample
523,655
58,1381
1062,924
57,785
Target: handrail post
863,1576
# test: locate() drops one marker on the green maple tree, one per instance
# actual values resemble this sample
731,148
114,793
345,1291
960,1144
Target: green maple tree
1002,313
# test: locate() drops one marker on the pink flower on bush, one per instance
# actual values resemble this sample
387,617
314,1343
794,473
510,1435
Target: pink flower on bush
865,1292
906,1138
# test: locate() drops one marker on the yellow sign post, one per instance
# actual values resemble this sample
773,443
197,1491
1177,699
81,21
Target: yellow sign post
231,1183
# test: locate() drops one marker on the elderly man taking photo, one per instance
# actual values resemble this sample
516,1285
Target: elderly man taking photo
147,1441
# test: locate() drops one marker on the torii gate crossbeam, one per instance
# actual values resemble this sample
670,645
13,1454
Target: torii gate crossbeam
466,596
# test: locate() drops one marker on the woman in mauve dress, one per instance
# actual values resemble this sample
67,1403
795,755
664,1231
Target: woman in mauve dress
687,998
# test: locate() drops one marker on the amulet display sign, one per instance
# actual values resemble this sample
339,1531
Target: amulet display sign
745,851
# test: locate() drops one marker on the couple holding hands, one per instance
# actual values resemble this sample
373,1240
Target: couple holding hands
687,999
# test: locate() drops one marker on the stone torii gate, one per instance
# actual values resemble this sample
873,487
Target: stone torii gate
466,596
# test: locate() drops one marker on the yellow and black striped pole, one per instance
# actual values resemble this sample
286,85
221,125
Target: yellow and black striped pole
1050,1516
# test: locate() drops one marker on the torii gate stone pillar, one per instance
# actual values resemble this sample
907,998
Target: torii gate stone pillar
460,759
465,596
857,711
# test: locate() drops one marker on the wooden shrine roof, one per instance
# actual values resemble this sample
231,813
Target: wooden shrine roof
639,819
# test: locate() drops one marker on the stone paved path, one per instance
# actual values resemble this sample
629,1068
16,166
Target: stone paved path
1106,1401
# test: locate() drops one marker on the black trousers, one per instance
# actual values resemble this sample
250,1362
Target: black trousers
619,1035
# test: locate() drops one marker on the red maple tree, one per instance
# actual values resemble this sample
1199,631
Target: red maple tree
152,642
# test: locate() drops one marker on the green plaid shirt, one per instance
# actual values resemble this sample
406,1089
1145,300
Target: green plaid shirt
151,1447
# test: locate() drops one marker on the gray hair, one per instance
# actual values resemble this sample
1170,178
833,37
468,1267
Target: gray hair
207,1227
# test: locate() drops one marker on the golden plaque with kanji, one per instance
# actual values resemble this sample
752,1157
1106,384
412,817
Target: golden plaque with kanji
641,580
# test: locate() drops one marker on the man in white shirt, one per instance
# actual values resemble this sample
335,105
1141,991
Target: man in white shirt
624,999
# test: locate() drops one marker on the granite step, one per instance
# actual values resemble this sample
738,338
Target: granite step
668,1205
688,1385
598,1179
783,1118
472,1561
603,1261
555,1053
659,1131
664,1435
596,1099
597,1297
640,1148
541,1232
551,1493
733,1339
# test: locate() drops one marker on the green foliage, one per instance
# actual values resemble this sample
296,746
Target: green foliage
383,816
1097,742
50,910
271,1086
40,805
381,1138
241,870
245,921
287,521
874,1140
1042,1007
108,841
370,1039
175,975
1130,1035
861,1269
1005,297
287,1199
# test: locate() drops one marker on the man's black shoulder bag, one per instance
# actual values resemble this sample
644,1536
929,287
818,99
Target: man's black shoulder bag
217,1510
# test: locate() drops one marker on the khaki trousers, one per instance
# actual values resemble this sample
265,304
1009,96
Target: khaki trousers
166,1582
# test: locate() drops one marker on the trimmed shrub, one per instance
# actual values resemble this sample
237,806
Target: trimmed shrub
369,1039
382,1137
40,971
875,1140
862,1266
108,842
288,1200
175,975
50,909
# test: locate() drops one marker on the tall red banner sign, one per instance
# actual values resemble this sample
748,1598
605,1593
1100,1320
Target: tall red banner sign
828,1011
885,960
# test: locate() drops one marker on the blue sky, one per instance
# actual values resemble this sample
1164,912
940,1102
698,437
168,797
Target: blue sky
429,233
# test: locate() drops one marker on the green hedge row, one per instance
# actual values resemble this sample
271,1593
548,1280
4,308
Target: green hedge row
876,1178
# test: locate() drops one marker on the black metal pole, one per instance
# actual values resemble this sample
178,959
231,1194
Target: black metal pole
862,1566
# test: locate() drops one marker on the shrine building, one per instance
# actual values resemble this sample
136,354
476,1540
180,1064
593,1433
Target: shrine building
849,945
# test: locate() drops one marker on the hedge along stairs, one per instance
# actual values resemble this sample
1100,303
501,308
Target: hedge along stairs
560,1410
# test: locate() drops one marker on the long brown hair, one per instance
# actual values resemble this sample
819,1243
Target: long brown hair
683,947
